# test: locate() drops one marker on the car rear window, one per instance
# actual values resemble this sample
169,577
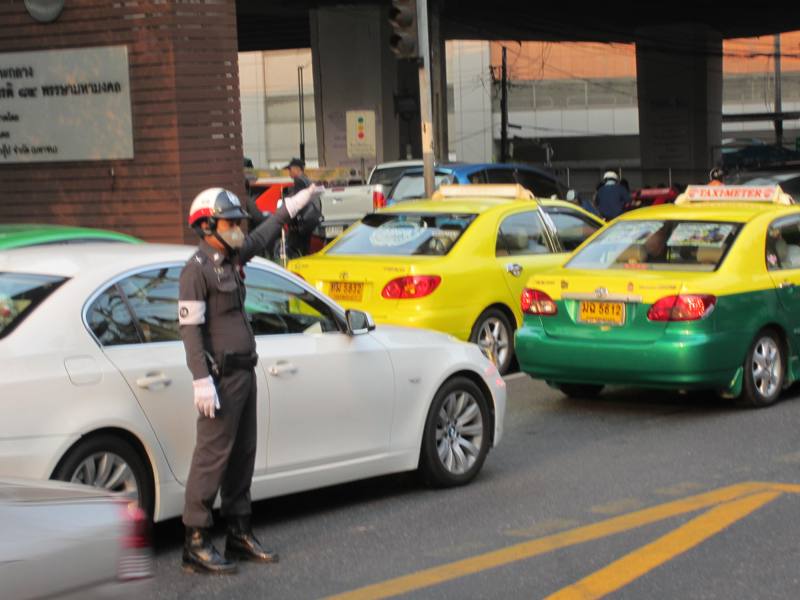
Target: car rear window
405,234
412,186
658,245
20,294
386,176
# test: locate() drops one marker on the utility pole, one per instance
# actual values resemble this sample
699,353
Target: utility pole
426,114
302,114
504,110
778,106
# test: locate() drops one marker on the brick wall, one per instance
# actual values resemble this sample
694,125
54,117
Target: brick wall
184,107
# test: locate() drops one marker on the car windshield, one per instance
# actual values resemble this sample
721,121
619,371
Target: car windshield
412,186
658,245
20,294
404,234
386,176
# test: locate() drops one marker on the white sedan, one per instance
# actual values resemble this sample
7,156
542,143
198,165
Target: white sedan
94,386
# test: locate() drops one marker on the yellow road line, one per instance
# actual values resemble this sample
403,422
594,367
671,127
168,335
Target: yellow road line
789,488
628,568
529,549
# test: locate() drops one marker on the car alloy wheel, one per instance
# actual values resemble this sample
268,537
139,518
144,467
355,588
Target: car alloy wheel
112,463
108,471
493,335
764,370
459,432
766,365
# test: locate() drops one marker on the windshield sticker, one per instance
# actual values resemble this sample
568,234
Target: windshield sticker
706,235
631,231
397,233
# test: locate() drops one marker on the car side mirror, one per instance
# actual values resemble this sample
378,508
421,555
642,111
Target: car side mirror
358,322
571,196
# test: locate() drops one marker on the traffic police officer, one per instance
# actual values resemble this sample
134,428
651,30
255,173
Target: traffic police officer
221,354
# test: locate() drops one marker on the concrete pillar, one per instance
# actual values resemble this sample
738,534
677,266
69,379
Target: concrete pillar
354,69
471,126
679,84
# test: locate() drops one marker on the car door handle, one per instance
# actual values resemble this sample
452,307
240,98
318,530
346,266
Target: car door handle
514,269
282,368
152,380
786,284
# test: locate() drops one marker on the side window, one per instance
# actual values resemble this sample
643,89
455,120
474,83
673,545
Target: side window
153,297
571,227
783,244
500,176
541,186
522,233
278,306
111,321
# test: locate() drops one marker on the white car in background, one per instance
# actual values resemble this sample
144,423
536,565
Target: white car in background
95,387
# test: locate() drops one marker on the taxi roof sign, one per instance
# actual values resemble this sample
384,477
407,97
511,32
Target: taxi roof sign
512,191
770,194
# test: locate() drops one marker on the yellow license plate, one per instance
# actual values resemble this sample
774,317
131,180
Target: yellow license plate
346,290
612,313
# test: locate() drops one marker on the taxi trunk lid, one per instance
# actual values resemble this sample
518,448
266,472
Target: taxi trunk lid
609,304
357,281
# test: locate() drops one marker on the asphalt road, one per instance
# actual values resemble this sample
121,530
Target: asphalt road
635,494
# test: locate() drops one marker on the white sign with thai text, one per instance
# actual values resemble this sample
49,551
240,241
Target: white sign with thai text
65,105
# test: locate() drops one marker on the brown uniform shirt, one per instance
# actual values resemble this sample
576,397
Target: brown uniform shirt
211,298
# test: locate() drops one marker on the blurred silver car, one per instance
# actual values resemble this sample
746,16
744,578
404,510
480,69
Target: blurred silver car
63,540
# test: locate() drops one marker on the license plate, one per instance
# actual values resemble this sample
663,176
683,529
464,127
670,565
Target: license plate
612,313
333,231
346,290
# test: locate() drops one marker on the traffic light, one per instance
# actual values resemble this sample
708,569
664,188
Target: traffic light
403,19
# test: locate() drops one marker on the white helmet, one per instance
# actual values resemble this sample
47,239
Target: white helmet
610,175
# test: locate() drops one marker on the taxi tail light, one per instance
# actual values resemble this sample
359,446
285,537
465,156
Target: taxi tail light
536,302
413,286
378,200
136,556
682,307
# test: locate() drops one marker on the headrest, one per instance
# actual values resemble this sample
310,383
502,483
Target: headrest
709,255
632,254
516,239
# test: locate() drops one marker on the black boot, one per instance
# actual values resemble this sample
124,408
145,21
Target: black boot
242,544
200,556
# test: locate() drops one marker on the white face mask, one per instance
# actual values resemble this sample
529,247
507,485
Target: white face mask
233,237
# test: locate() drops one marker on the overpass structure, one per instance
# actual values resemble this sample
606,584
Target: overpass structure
183,127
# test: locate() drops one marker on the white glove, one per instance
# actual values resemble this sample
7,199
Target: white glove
294,204
205,396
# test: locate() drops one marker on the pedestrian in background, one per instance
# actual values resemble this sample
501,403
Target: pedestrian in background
715,176
303,225
611,197
221,355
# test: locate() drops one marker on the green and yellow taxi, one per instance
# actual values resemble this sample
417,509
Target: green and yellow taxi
702,294
456,263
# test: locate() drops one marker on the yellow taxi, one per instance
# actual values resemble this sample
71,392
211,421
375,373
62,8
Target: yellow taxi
456,263
700,294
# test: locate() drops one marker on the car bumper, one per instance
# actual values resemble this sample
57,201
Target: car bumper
693,360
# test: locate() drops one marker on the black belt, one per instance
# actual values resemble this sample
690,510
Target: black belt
233,361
